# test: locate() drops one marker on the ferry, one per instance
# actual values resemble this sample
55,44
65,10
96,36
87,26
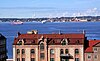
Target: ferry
44,21
17,23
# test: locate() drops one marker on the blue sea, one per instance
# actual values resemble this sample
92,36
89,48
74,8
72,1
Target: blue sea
10,31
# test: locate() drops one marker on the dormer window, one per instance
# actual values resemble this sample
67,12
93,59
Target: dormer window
64,41
19,43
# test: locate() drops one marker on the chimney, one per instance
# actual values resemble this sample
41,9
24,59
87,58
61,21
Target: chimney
34,31
19,33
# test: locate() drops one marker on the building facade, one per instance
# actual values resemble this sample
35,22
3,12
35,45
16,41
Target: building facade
3,51
92,52
48,47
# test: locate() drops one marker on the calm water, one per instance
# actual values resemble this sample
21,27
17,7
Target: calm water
10,31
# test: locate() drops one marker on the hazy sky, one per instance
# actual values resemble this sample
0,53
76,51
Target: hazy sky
48,8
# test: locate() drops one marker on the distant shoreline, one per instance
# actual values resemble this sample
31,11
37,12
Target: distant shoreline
61,19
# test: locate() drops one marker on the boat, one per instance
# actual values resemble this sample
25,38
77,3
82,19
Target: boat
44,21
17,23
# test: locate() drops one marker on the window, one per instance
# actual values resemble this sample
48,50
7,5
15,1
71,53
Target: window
95,56
64,42
51,51
42,55
41,46
61,51
76,51
66,59
20,43
66,51
51,59
18,59
32,59
89,56
23,59
32,51
23,51
76,59
18,51
95,49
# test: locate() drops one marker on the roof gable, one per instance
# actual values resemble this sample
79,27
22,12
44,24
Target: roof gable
51,38
97,45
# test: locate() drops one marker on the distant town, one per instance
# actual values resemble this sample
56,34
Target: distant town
61,19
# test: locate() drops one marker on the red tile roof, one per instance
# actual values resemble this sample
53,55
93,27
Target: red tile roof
52,38
91,44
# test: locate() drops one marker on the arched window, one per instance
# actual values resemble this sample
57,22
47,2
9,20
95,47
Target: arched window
66,51
18,51
41,46
32,51
23,51
51,51
76,51
61,51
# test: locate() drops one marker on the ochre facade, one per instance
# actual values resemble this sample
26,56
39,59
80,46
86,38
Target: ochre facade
49,47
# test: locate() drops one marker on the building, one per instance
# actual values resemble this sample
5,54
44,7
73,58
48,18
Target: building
9,60
92,52
48,47
3,51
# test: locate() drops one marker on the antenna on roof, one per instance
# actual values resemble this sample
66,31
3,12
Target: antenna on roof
84,32
59,31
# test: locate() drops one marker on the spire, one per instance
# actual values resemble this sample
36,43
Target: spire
84,32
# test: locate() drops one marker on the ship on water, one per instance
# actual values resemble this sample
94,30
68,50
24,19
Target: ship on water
44,21
17,23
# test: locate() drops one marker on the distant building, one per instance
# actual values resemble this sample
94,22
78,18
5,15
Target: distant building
9,60
92,53
3,51
48,47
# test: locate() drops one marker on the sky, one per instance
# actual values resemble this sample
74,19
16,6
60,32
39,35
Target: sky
48,8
